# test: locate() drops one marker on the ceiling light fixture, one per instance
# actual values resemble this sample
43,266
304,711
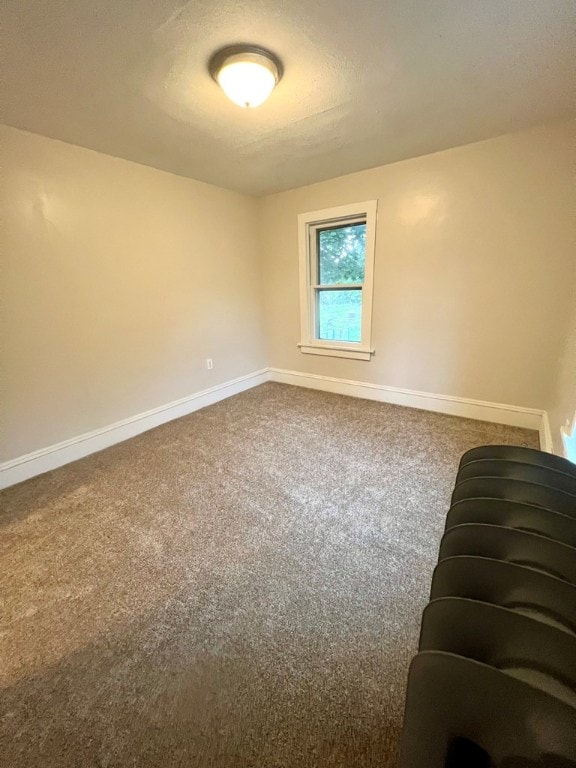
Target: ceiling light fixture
247,74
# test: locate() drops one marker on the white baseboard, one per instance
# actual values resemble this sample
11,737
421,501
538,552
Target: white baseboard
54,456
498,413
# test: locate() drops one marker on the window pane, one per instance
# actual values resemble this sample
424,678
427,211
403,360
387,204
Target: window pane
340,315
341,254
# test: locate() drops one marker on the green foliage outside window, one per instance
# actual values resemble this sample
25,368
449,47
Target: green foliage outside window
342,254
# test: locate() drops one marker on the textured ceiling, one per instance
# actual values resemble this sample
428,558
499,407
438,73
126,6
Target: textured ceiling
366,83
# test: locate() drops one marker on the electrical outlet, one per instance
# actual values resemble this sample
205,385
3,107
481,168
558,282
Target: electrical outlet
209,364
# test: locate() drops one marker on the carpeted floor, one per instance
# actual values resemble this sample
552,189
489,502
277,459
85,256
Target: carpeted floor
241,587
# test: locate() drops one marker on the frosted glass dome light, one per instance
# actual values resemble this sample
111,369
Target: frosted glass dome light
246,74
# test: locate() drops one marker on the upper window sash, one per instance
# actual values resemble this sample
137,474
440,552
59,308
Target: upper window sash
314,243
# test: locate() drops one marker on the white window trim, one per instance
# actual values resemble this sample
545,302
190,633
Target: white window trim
309,344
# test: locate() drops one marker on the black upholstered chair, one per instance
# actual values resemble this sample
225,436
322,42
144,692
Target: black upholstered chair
516,490
520,454
461,713
509,585
494,683
513,514
515,470
511,545
505,639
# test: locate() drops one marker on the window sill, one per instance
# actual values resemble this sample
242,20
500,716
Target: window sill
334,351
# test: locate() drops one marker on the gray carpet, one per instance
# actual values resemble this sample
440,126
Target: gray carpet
241,587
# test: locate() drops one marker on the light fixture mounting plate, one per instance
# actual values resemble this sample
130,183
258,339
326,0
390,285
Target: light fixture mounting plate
220,57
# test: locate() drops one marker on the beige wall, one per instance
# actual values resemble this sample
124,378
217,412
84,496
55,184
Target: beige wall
475,246
118,282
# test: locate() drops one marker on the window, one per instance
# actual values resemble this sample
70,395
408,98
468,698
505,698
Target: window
336,270
569,439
